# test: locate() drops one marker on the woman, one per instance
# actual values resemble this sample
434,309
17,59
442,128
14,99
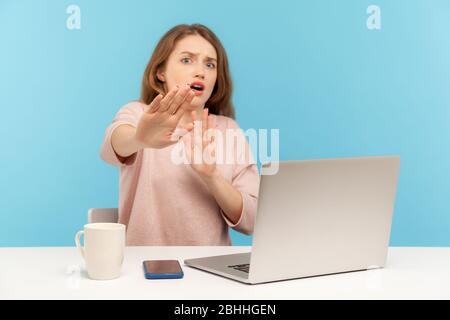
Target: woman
186,84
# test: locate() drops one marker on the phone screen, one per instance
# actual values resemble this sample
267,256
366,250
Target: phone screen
162,268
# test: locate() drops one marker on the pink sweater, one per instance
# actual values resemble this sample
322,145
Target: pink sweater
164,203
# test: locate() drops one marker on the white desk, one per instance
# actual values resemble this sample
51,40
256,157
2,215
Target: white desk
44,273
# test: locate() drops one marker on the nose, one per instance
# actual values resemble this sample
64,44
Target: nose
200,75
199,71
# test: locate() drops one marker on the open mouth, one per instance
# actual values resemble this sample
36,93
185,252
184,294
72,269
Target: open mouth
197,87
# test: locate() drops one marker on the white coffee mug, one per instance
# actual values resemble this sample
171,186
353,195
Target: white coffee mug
103,251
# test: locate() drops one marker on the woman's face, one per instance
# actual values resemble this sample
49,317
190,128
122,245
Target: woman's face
193,60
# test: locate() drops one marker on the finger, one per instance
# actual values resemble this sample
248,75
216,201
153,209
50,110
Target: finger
182,133
209,135
154,105
213,146
204,127
165,102
188,151
210,150
188,99
210,154
180,110
197,136
196,146
193,115
204,120
178,99
211,122
189,126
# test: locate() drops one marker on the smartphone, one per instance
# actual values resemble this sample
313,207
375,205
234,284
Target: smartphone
162,269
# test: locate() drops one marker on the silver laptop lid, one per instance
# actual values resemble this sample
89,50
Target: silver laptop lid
325,216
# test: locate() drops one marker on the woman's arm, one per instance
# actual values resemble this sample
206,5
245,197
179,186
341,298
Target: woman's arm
155,125
229,199
124,142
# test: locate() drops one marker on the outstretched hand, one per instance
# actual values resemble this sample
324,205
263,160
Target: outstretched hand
201,149
158,123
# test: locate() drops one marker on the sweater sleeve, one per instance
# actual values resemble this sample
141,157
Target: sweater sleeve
245,179
128,114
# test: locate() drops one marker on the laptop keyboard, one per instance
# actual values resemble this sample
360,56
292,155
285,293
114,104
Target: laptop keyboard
241,267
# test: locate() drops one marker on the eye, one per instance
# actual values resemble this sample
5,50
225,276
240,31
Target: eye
211,65
184,59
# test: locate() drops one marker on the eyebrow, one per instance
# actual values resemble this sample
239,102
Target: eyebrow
196,54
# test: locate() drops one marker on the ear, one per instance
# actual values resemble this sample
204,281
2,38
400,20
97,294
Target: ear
160,76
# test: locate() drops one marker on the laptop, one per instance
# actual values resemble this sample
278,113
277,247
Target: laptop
316,217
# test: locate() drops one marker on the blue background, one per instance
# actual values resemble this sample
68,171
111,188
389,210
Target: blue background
311,69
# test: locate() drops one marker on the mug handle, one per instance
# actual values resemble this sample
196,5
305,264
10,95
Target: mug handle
77,242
